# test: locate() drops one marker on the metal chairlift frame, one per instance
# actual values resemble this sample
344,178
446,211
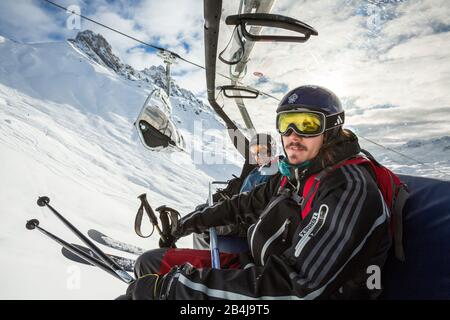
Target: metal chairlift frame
212,15
241,67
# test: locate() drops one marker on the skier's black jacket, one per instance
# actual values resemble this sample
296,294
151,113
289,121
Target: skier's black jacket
326,255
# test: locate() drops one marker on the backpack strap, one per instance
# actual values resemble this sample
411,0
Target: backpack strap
284,181
312,183
395,200
310,190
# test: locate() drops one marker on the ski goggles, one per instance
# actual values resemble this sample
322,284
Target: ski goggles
307,123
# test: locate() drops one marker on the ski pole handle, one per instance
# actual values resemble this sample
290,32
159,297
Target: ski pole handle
151,215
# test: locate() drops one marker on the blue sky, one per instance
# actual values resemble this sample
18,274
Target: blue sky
150,21
372,53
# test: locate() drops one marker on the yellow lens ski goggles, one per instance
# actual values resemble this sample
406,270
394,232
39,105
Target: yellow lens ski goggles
307,123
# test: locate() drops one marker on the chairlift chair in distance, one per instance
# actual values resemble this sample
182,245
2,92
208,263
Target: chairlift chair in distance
154,126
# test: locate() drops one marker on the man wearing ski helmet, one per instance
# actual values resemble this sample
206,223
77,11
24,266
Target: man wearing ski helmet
317,245
262,148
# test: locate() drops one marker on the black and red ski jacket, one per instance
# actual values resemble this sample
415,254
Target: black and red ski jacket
329,254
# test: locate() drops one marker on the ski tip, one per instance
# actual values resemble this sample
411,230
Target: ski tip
75,258
95,234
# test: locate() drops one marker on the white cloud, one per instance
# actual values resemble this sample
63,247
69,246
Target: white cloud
417,18
140,59
25,21
194,81
170,19
402,62
172,24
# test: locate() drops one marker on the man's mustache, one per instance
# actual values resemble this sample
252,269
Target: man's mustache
296,144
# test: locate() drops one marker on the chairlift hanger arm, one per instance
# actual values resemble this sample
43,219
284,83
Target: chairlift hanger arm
238,71
271,20
252,93
260,6
212,14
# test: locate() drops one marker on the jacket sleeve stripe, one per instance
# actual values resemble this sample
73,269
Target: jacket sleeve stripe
344,233
340,215
228,295
379,221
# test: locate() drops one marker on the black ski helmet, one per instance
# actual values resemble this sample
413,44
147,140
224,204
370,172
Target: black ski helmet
315,98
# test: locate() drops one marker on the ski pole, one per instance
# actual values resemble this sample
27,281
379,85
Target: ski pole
213,242
151,215
34,224
44,201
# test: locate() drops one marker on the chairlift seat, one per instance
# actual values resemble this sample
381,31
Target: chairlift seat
426,238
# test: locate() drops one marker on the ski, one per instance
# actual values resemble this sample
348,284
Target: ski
113,243
125,263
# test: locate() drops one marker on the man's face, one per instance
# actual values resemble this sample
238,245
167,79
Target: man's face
300,149
260,154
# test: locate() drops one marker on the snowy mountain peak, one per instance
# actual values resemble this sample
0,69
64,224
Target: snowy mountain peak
99,49
94,41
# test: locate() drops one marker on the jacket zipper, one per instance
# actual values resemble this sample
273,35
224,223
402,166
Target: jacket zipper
269,207
281,231
286,230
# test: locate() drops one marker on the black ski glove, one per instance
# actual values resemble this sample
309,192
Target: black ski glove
185,226
168,241
147,287
169,223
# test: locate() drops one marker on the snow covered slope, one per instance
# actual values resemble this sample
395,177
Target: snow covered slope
66,131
